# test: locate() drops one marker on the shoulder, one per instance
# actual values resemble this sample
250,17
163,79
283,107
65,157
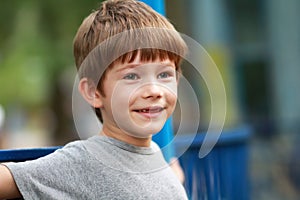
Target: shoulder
71,153
90,149
76,151
81,146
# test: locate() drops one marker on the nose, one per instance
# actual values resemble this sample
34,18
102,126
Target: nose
153,91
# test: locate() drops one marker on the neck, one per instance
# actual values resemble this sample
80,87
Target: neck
125,137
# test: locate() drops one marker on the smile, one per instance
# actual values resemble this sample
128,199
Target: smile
150,112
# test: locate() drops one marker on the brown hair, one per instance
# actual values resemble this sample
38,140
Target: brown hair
116,16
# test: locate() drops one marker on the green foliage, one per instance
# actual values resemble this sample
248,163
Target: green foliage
36,46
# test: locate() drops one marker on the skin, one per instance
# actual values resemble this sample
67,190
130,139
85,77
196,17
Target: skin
139,97
8,187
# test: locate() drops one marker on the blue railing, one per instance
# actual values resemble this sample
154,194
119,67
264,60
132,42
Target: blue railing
222,174
18,155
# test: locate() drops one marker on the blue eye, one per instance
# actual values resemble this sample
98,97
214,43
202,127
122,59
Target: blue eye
164,75
131,76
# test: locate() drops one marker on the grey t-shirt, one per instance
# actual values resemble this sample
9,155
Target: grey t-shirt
98,168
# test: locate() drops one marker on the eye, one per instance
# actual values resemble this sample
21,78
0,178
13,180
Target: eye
164,75
131,76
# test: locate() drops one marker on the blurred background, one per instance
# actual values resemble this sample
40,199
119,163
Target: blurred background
255,44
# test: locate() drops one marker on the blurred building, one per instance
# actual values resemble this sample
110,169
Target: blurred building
256,45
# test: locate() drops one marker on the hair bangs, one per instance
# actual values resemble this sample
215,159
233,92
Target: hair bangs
150,44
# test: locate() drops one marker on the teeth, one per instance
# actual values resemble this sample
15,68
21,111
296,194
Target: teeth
150,110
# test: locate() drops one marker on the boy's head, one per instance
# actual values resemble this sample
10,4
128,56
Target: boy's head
117,16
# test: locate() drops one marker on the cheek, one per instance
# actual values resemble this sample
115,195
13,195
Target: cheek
171,93
171,100
121,96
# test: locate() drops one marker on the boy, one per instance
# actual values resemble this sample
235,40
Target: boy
135,95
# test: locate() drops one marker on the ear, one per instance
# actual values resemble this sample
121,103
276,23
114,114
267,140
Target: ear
89,92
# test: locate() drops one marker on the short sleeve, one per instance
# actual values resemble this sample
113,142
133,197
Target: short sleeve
50,176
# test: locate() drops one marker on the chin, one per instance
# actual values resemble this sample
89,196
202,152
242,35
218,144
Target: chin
140,127
144,132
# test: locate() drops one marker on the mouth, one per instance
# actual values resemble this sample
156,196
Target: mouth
150,112
150,109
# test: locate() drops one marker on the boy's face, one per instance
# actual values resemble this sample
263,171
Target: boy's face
139,97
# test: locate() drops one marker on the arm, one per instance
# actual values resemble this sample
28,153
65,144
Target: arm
175,166
8,187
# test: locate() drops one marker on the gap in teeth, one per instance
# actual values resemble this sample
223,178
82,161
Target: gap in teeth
150,110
